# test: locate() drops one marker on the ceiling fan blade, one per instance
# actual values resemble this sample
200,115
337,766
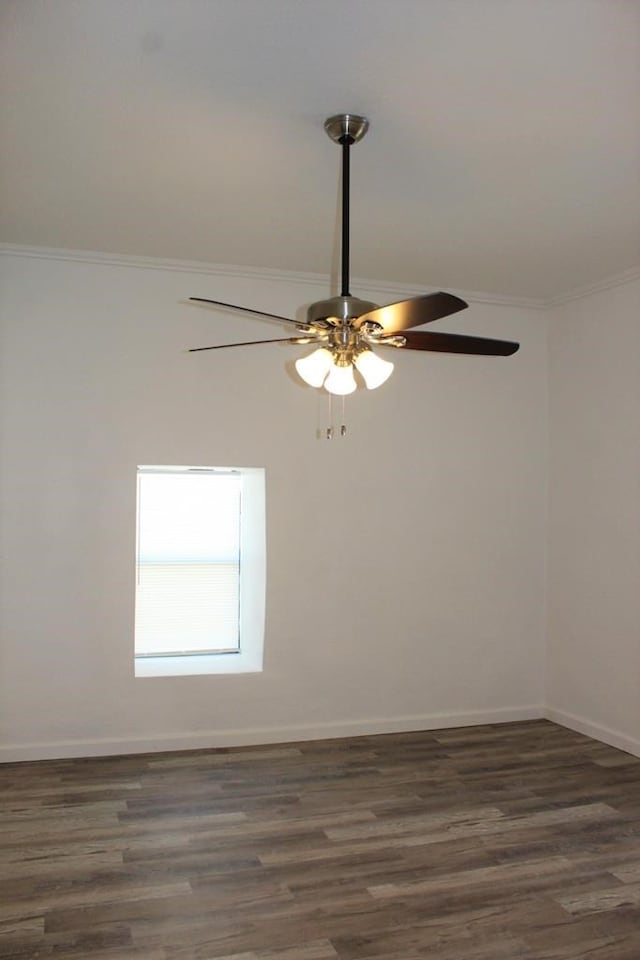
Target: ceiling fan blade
257,313
455,343
250,343
411,313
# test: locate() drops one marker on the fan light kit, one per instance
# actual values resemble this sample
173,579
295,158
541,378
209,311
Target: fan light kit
343,329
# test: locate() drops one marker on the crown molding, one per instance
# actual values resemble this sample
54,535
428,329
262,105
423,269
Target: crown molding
608,283
383,287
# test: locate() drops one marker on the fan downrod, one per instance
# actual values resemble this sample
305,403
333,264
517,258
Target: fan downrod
347,127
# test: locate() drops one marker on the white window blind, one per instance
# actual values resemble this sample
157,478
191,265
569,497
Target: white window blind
188,562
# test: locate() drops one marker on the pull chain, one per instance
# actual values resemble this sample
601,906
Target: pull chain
343,426
330,427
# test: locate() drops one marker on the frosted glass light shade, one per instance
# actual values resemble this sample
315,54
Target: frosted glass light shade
340,380
314,368
374,370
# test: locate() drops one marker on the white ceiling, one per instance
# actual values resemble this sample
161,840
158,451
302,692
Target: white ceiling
503,154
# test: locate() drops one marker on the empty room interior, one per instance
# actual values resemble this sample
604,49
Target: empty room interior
326,648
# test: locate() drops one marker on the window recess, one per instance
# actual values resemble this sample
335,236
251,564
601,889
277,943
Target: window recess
200,570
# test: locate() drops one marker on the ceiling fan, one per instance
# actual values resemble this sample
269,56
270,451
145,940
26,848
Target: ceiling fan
344,328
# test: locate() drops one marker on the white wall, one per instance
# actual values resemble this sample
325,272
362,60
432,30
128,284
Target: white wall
405,563
593,669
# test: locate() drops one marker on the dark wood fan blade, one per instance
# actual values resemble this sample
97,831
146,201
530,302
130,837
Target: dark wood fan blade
411,313
250,343
257,313
456,343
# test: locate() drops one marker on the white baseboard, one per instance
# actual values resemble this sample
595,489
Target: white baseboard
210,739
63,749
581,725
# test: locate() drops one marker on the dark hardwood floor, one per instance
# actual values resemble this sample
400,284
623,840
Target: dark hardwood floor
488,843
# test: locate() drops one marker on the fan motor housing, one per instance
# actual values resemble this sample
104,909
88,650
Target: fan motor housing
343,309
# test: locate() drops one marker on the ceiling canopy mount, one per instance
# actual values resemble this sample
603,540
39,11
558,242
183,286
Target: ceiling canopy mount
346,127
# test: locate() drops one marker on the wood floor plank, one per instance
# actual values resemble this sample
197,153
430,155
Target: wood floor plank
485,843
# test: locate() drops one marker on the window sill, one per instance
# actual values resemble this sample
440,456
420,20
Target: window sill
221,663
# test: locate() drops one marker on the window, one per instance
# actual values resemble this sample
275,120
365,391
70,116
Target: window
200,570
